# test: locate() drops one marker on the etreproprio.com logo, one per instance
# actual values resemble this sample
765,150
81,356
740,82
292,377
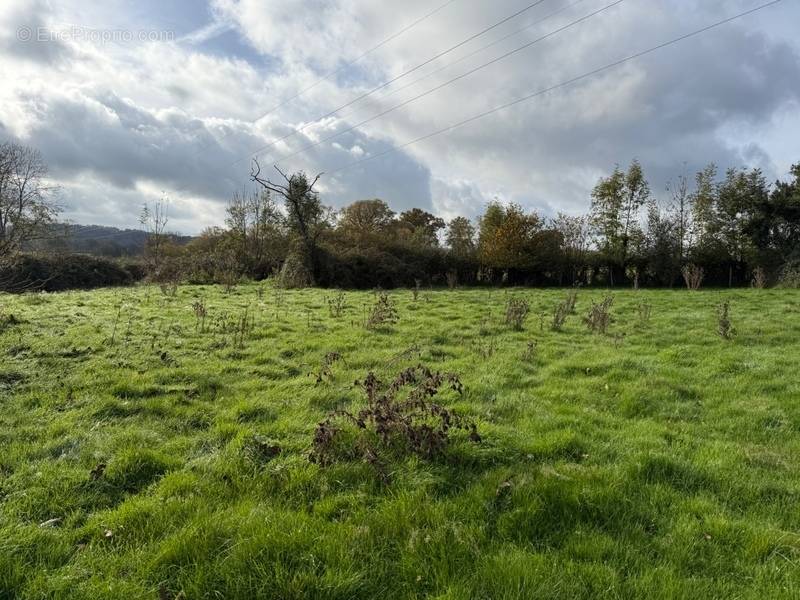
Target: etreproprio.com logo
96,36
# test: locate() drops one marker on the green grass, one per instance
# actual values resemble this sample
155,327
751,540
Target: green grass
658,464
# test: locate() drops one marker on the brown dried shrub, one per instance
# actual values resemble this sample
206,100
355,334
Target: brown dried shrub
383,313
517,310
724,323
398,420
599,318
337,305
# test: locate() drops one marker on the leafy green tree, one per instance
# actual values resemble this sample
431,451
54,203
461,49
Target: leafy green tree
257,231
366,223
575,234
662,251
704,206
739,196
461,237
420,228
616,204
773,226
306,217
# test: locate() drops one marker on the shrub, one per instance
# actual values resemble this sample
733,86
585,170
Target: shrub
560,316
571,301
388,267
452,280
337,305
200,313
693,276
790,276
325,370
517,310
398,419
295,273
60,273
724,324
645,312
564,309
383,313
599,318
759,280
415,290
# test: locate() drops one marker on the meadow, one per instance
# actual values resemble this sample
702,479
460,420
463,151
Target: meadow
157,446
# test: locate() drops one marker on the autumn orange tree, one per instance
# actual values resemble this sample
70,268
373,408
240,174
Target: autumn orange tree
507,237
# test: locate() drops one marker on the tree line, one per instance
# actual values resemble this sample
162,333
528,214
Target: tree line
727,228
723,229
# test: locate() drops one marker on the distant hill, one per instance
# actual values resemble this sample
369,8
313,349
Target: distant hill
99,240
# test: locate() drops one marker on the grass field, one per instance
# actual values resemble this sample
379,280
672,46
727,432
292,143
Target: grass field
658,461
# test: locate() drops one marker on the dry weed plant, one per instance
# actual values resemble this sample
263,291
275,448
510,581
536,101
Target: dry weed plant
325,372
337,305
599,318
382,313
517,310
724,323
398,419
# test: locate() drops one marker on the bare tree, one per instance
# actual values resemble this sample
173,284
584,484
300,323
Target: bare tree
307,218
155,220
27,210
682,214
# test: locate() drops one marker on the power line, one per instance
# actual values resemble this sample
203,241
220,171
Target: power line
391,38
340,69
559,85
453,80
404,74
471,54
478,51
380,45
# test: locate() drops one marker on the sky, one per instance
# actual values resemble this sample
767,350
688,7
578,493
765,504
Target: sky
130,102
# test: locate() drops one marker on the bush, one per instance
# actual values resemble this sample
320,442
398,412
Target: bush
391,425
72,271
599,318
693,276
390,267
295,273
790,276
724,323
517,310
383,313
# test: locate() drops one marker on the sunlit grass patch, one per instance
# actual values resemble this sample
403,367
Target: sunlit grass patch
655,460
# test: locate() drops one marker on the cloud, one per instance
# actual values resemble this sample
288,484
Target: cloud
25,36
122,123
206,33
